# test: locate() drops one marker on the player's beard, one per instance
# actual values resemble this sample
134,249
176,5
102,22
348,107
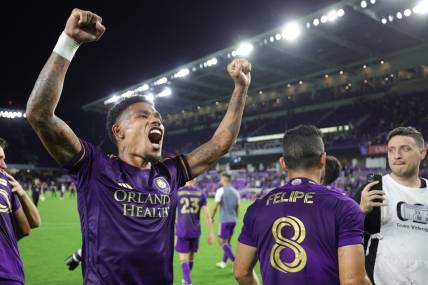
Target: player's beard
153,159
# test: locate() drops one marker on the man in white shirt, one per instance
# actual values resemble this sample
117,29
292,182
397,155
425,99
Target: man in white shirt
397,216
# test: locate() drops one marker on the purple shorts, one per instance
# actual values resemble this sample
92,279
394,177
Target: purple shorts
226,230
186,245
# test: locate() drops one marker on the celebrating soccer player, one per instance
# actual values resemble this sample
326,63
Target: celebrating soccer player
227,198
302,232
191,201
126,203
18,215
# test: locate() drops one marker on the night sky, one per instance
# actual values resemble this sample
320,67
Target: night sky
143,39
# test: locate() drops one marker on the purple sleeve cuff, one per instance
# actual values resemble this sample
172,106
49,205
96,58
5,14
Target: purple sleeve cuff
77,159
350,241
185,164
16,203
244,239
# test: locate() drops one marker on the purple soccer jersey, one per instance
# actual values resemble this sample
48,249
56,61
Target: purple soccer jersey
190,202
297,230
10,261
127,217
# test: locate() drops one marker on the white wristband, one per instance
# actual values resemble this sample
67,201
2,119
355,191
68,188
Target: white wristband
66,46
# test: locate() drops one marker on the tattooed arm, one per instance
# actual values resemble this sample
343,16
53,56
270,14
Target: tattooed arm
55,134
207,154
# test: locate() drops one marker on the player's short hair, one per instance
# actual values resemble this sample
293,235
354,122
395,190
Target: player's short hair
3,143
302,147
408,132
332,170
226,175
117,110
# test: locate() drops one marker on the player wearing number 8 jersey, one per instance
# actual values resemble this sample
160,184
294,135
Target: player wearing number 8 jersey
302,232
191,201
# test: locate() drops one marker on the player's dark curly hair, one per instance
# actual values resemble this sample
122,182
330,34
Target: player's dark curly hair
117,110
332,170
3,143
302,147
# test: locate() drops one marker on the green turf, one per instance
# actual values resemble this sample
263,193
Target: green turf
44,251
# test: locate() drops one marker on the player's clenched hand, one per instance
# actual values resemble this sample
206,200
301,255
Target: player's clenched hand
240,71
371,198
84,26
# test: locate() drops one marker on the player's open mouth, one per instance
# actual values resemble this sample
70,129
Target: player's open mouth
155,137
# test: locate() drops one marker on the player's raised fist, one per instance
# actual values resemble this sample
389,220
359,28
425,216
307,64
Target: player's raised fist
84,26
240,71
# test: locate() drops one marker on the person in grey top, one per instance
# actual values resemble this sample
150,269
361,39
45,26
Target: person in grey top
227,198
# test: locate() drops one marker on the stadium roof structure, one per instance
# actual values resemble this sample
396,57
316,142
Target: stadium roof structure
334,40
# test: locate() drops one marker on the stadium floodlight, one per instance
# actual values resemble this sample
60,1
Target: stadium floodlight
308,25
244,49
212,61
340,13
165,93
300,82
291,31
271,39
384,21
421,7
161,81
182,73
278,37
326,75
390,18
399,15
112,99
128,93
341,72
316,22
150,97
373,2
407,12
142,88
332,16
364,66
324,19
363,4
382,62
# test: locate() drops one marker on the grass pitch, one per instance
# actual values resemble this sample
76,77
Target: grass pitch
45,250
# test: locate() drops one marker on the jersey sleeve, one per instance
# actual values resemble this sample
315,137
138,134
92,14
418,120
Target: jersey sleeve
6,190
84,164
248,236
218,195
350,223
179,169
16,204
